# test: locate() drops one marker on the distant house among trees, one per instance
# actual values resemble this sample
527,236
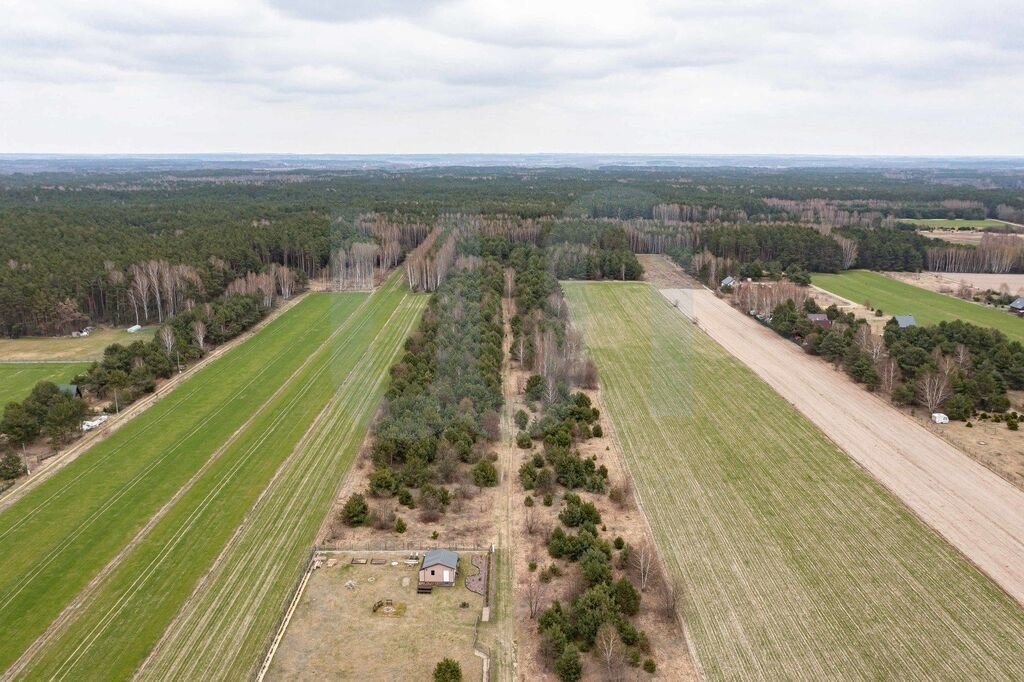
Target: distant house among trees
728,281
819,320
439,567
1017,307
905,321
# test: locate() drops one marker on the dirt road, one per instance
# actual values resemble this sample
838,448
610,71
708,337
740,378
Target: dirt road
979,513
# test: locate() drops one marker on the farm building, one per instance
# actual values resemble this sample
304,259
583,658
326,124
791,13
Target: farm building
728,282
1017,307
439,567
905,321
820,320
70,390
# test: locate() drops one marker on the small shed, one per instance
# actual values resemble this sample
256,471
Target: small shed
1017,307
728,282
439,567
135,329
70,390
939,418
905,321
820,320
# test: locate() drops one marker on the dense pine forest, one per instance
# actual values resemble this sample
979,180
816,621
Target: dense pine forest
126,248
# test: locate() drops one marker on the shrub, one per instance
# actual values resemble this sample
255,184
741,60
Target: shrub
400,526
597,431
383,482
548,500
579,513
485,474
535,387
433,536
538,461
568,666
619,543
11,466
533,566
528,501
522,419
527,475
523,440
650,666
626,597
448,670
355,512
633,657
405,497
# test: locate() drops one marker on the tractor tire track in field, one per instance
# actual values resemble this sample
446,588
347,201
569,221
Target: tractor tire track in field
979,513
109,612
72,607
219,632
97,515
797,564
54,464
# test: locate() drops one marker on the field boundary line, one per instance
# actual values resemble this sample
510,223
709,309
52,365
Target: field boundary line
52,465
282,627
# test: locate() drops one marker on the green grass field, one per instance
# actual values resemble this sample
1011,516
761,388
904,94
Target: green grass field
953,223
796,564
68,348
18,378
204,454
119,622
927,307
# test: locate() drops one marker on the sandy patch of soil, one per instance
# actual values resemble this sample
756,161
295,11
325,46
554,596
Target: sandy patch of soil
978,512
335,633
950,282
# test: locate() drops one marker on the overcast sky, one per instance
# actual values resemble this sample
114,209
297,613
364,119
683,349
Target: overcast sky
396,76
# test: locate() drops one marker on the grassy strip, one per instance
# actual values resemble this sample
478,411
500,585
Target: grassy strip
226,625
18,378
56,538
116,626
796,564
953,223
927,307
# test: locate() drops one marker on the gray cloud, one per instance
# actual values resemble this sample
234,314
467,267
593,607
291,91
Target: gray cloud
600,63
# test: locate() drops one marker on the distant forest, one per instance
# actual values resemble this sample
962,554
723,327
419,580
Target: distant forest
126,248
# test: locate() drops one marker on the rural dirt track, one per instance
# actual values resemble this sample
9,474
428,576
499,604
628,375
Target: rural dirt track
976,511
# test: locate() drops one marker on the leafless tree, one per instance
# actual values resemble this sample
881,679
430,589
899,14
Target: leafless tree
530,521
933,388
534,595
962,356
643,560
849,248
609,646
167,338
199,334
869,343
888,373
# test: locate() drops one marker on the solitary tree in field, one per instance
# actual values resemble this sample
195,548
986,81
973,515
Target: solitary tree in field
448,670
